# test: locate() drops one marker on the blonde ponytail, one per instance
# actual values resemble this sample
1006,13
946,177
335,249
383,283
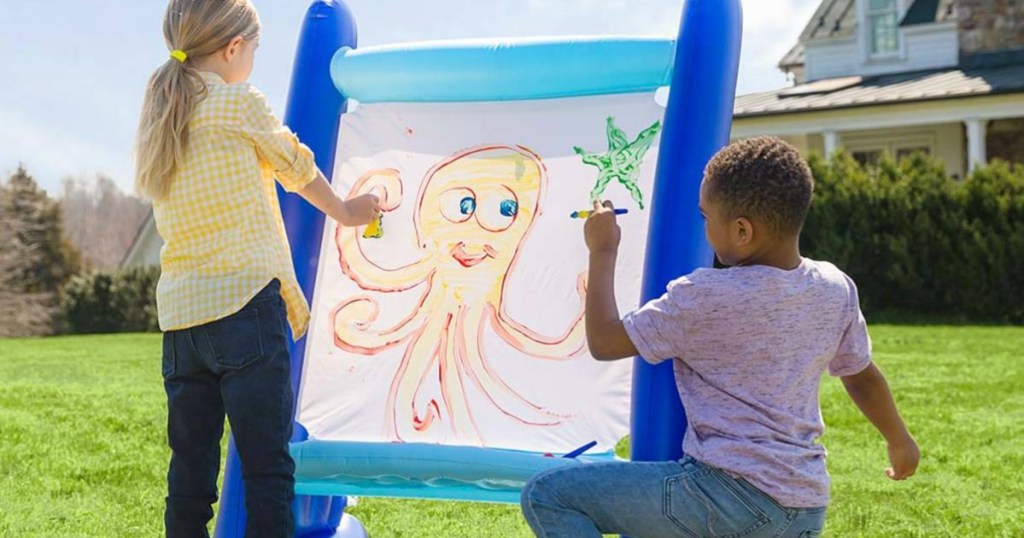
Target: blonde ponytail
198,28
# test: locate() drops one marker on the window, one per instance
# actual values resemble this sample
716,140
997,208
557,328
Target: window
870,147
868,158
906,152
883,27
1004,138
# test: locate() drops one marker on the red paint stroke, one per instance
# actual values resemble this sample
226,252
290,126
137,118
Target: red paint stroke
365,324
466,260
422,425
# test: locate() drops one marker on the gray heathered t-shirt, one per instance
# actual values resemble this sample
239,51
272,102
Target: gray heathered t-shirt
750,346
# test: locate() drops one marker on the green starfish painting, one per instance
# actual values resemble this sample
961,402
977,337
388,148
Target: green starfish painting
622,161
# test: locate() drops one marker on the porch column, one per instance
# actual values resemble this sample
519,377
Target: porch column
977,154
831,142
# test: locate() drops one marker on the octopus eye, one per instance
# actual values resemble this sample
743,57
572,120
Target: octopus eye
468,205
498,211
457,205
509,208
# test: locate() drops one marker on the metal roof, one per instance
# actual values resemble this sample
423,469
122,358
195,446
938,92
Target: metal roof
850,92
836,19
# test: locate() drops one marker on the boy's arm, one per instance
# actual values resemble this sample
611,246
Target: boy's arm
606,335
870,391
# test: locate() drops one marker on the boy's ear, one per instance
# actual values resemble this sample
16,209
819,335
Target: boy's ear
743,230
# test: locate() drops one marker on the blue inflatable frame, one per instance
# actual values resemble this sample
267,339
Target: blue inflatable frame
701,67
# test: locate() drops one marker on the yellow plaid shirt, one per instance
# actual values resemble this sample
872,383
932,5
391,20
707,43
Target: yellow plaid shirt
224,239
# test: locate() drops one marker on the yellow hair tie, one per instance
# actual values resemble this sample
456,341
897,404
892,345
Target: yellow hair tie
179,55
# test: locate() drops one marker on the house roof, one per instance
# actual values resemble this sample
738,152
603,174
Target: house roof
148,226
837,19
928,11
849,92
833,19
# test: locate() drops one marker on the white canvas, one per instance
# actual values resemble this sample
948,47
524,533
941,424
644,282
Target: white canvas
462,322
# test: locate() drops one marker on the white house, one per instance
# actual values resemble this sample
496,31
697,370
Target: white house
145,250
944,77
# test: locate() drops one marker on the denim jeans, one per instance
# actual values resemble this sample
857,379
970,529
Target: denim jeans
240,366
658,500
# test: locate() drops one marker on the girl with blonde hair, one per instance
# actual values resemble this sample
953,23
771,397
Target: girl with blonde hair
209,150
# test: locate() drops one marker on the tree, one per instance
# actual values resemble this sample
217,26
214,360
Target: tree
100,220
40,229
21,313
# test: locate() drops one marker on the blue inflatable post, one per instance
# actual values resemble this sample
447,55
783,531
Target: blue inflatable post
313,112
697,124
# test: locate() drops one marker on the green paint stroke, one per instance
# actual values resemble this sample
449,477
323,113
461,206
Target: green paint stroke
622,161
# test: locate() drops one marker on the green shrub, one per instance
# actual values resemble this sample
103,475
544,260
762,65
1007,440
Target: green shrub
919,243
111,302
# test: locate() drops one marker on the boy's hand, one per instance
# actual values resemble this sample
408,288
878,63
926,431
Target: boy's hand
601,231
904,457
362,209
870,391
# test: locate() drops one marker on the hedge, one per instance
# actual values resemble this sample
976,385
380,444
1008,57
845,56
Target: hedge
111,302
919,243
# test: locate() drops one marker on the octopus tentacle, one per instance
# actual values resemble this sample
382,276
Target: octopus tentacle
352,321
387,184
569,345
400,408
452,373
505,398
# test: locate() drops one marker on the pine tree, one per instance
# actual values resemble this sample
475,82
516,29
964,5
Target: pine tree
40,229
21,313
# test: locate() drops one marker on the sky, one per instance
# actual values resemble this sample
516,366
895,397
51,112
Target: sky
72,73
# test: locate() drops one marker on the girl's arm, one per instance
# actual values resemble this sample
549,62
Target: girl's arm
355,212
870,391
294,165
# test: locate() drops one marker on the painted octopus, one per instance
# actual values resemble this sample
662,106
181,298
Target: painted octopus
473,213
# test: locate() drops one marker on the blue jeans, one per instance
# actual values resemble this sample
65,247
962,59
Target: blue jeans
658,500
238,365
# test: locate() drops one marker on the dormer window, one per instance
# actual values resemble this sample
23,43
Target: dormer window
883,28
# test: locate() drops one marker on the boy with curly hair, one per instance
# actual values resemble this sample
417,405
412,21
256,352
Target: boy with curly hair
749,345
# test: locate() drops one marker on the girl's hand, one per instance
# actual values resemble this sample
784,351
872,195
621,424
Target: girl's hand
361,210
601,231
356,211
904,457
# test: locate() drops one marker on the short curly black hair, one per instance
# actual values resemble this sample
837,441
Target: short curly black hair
763,179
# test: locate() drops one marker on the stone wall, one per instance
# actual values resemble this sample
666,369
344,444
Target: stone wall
990,25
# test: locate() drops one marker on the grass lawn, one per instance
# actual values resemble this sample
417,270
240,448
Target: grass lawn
82,443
